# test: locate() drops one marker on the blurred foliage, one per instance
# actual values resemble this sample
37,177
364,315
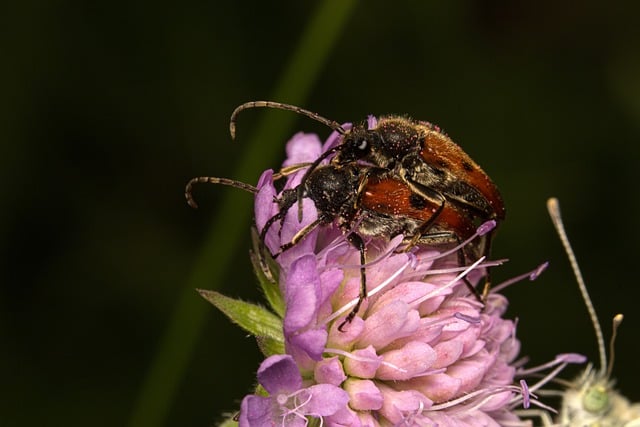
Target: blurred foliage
109,108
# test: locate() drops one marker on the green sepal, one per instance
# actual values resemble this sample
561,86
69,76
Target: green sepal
253,318
260,391
269,346
267,272
229,422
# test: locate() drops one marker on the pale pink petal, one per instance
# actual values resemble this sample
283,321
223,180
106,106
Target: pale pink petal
329,371
470,371
447,353
412,360
437,387
325,400
364,395
363,363
393,321
399,405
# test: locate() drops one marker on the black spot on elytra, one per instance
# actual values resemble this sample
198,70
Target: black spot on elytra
417,202
467,166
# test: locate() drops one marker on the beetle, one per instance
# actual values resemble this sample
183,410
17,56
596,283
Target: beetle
417,153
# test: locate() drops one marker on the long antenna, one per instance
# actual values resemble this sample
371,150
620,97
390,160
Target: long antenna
553,206
188,189
280,106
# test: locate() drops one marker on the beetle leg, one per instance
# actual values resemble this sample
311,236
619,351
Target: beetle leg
422,231
358,243
299,236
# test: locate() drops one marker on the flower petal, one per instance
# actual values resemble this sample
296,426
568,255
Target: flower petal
329,282
329,371
447,353
496,401
326,399
255,411
302,148
265,207
399,405
345,417
412,360
363,363
345,340
364,395
394,320
437,387
406,291
307,344
279,373
301,294
471,371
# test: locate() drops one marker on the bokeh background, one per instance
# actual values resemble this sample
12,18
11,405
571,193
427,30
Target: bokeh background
108,108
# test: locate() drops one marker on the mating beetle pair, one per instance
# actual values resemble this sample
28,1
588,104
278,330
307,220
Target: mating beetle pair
398,177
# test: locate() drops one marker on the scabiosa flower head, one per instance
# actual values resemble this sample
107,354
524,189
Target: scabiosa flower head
422,350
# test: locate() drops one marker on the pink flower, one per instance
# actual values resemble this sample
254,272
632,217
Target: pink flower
422,349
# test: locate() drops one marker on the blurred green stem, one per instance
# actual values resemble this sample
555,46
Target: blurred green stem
174,351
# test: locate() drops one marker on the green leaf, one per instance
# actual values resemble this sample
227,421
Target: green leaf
252,318
269,346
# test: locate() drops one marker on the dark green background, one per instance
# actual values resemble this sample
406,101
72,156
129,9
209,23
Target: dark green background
108,108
